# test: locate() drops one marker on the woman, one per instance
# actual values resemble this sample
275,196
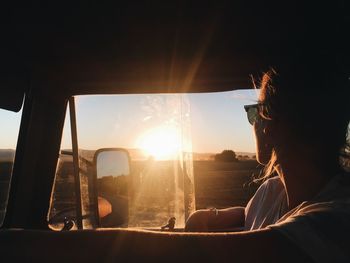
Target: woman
300,125
300,122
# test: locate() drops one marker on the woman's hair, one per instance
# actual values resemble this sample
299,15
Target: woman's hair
312,99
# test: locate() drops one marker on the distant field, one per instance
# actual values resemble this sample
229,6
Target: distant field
224,184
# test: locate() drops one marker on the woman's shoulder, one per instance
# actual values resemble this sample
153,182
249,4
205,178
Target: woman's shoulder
272,185
269,189
273,180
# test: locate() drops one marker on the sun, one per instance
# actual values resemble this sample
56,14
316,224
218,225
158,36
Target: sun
162,143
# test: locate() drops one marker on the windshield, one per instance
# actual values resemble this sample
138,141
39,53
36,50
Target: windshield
192,149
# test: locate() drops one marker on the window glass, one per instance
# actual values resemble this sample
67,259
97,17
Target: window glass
10,123
63,206
188,151
63,200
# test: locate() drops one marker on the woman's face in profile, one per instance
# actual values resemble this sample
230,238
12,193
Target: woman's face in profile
263,148
263,137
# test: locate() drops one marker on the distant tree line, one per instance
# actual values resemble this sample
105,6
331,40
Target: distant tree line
226,156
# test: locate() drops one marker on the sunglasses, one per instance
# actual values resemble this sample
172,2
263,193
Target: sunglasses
252,112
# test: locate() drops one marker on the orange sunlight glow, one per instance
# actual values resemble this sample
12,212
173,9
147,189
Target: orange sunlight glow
162,143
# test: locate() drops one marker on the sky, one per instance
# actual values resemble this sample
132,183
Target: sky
112,163
10,122
205,122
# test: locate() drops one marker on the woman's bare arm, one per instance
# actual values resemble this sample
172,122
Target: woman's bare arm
216,219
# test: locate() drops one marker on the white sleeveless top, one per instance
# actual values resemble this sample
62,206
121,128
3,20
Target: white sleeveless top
267,206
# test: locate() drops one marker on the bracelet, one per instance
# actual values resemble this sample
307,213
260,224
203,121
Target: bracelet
214,210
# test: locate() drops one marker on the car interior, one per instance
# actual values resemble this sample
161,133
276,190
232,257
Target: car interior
65,68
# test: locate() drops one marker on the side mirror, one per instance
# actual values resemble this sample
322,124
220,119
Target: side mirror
155,194
112,175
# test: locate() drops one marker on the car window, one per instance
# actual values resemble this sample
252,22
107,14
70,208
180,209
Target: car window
205,136
10,122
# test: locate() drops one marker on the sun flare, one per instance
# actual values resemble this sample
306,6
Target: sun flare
162,143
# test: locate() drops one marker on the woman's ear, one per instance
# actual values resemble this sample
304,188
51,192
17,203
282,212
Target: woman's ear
264,140
271,132
265,127
271,127
277,133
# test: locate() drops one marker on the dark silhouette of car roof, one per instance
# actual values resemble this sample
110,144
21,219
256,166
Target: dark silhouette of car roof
158,46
